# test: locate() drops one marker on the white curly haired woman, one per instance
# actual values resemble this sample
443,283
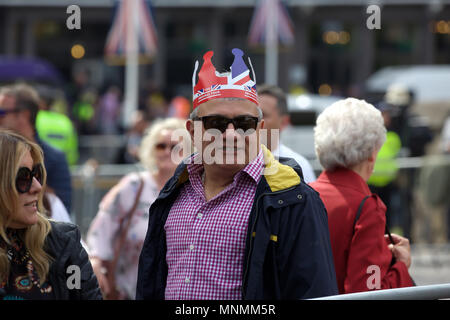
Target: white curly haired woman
128,198
348,136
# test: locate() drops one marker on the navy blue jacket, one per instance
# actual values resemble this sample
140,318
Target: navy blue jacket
58,174
288,253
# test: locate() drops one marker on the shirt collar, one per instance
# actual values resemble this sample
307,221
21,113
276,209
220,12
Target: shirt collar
254,168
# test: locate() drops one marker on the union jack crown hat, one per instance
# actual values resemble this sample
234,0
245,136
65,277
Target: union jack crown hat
235,84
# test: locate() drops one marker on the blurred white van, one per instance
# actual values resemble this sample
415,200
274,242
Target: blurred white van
429,83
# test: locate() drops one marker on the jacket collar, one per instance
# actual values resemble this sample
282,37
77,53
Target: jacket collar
278,176
345,177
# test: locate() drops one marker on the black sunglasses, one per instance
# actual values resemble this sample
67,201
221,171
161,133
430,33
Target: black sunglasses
221,123
162,146
24,178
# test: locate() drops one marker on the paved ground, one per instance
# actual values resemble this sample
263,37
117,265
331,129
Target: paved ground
430,264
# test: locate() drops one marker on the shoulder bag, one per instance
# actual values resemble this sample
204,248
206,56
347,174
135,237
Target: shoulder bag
124,225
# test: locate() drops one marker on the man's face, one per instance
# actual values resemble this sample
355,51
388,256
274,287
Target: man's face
272,118
271,115
231,148
8,120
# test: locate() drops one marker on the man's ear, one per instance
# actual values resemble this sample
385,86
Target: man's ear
262,123
190,128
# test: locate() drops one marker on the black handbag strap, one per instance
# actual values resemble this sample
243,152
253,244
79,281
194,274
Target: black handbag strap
386,230
358,213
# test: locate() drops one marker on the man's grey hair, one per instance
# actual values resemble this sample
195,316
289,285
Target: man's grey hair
347,133
194,114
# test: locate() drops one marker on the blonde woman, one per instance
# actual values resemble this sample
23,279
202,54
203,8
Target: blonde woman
35,252
114,246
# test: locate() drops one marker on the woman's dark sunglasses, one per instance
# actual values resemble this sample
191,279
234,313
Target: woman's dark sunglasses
221,123
24,178
163,146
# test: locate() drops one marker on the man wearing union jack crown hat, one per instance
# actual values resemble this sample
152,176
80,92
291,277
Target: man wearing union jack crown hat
229,229
217,100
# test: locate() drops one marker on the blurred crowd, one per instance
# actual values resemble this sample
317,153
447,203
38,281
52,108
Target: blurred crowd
54,120
82,109
34,118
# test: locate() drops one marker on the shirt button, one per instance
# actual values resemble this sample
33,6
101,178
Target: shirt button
191,247
186,280
199,215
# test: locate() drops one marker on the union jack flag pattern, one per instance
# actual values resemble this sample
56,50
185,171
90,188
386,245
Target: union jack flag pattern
118,43
234,84
264,14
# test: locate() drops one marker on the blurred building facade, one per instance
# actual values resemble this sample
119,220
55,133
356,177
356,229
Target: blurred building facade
333,45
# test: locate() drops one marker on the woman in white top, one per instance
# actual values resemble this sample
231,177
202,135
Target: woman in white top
55,208
158,155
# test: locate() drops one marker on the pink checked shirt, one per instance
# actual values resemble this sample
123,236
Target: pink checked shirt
206,240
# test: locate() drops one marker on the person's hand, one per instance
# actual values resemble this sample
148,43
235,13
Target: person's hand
101,276
400,249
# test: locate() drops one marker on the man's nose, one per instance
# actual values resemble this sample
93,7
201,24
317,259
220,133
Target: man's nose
231,130
232,134
231,126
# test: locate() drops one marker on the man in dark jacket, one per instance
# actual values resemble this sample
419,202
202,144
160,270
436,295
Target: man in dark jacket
18,111
233,222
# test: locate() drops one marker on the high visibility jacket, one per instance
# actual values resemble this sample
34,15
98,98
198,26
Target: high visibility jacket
386,167
57,130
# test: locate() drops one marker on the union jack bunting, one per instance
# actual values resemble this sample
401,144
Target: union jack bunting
234,84
266,12
118,42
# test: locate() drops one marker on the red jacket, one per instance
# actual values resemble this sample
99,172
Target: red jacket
354,251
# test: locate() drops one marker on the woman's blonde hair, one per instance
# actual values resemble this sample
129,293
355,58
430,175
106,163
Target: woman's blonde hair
150,139
13,147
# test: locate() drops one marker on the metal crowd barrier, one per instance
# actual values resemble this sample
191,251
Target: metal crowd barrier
402,163
89,184
430,292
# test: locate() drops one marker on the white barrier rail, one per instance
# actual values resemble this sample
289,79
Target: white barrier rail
430,292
